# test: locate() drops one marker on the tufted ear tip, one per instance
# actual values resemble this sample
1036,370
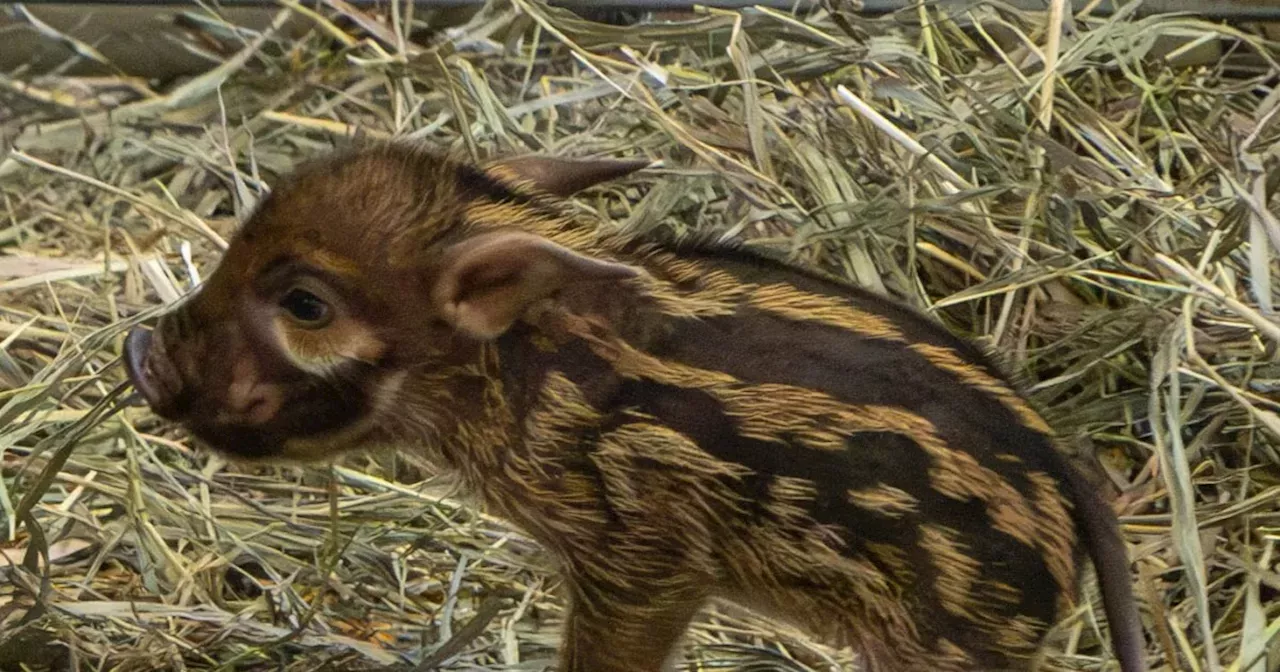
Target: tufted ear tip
565,177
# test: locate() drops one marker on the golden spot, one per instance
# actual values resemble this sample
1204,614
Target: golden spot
1055,531
963,592
791,498
884,499
690,306
1006,457
543,343
875,586
560,413
950,655
997,591
673,268
947,360
722,287
793,303
683,270
781,414
563,231
325,259
659,443
483,436
719,293
689,496
507,175
958,572
894,559
490,214
1019,634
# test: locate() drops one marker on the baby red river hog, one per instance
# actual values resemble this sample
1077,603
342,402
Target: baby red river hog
672,420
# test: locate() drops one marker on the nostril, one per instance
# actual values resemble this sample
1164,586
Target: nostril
255,403
257,411
263,405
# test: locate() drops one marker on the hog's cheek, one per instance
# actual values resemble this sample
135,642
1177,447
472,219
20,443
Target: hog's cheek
355,436
386,391
317,417
239,442
322,407
347,417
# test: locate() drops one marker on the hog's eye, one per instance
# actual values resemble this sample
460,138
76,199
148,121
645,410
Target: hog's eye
307,309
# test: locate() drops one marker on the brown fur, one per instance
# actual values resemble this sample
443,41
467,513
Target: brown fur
672,421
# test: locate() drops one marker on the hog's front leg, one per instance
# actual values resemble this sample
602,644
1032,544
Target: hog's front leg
638,628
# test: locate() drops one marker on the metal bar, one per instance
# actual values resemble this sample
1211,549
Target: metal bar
651,5
1235,10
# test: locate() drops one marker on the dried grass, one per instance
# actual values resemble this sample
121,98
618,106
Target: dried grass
1121,260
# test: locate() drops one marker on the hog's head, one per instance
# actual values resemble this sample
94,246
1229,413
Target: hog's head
361,270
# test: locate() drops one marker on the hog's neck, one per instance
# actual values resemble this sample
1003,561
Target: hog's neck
535,398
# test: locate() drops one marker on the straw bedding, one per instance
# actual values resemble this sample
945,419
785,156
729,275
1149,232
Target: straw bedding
1092,197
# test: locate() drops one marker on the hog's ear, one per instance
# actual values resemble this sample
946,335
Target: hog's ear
563,177
488,281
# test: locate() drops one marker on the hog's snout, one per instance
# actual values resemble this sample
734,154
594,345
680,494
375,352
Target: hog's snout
136,347
149,372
